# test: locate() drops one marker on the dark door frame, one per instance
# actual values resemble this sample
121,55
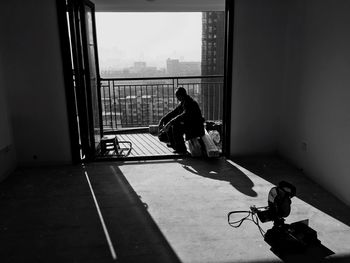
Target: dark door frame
75,59
228,67
68,73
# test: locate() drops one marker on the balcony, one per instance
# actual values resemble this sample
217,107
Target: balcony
130,105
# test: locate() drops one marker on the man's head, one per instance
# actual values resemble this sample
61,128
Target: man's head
180,93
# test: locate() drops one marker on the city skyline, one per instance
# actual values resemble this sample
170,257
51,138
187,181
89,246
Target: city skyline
174,67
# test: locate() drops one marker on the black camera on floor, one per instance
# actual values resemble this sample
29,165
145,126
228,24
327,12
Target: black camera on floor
289,241
295,242
279,204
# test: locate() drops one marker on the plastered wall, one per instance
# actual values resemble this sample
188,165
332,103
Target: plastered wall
315,106
33,69
259,48
291,82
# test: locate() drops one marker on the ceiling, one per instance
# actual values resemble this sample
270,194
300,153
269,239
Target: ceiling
158,5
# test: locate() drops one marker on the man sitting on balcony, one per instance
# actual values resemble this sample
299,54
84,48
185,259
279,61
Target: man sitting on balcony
186,119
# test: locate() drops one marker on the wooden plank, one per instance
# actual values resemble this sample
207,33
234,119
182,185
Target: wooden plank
161,145
146,148
148,141
143,145
137,151
143,151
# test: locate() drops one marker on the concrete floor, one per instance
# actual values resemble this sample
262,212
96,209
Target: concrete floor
157,211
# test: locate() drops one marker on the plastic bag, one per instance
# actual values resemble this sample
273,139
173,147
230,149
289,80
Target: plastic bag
210,147
195,147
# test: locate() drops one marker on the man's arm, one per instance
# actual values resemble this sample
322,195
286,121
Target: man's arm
190,113
170,115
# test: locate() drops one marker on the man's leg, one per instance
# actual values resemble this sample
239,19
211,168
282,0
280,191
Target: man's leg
178,138
171,142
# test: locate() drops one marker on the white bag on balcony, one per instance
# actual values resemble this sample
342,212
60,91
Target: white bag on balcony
210,147
195,147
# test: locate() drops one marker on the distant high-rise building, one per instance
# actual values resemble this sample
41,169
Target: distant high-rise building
213,37
175,67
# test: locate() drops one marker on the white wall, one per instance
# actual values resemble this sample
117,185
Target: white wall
259,48
33,69
316,98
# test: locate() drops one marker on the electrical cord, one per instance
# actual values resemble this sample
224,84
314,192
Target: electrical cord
251,216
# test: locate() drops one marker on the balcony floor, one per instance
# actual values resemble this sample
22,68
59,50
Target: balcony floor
144,145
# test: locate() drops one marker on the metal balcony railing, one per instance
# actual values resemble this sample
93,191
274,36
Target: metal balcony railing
140,102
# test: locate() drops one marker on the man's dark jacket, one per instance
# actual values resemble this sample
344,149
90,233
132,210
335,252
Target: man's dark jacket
188,113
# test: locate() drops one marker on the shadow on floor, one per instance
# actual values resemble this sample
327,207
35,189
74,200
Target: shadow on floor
338,259
137,237
275,169
220,169
312,258
48,215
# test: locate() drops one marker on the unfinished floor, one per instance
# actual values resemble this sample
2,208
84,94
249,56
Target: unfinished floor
157,211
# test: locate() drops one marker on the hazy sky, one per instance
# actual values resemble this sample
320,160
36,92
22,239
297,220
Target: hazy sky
152,37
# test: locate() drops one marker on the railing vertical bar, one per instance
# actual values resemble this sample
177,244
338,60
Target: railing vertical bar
120,105
126,110
168,97
214,104
193,90
105,91
211,100
172,101
136,105
208,98
217,96
202,98
142,121
221,100
147,108
103,105
114,107
174,87
208,112
157,101
110,105
131,108
153,103
163,91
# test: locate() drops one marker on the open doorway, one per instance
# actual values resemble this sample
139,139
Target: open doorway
123,95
